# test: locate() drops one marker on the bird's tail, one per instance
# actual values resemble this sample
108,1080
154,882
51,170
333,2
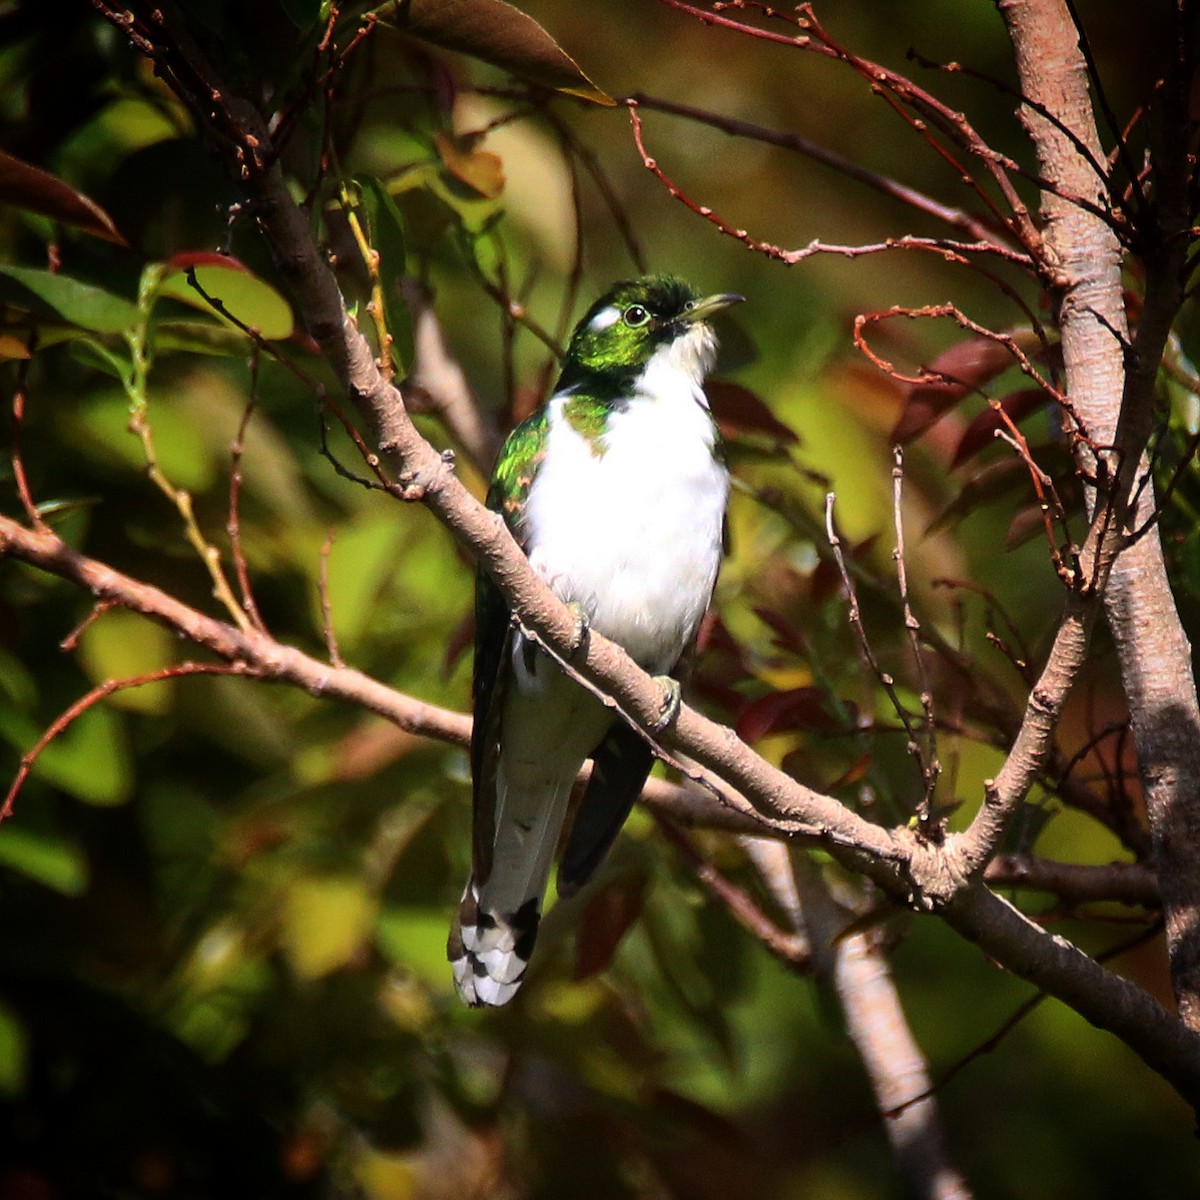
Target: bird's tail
489,950
492,936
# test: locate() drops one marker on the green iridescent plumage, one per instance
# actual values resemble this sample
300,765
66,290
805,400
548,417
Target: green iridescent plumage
516,469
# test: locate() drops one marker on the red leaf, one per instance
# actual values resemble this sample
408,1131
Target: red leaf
853,773
205,258
1026,524
981,431
606,919
801,708
990,482
35,190
738,410
787,636
826,579
965,367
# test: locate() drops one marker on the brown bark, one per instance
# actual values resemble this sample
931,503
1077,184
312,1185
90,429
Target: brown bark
925,877
1114,396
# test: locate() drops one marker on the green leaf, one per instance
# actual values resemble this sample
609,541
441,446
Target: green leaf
496,33
90,759
199,337
99,358
123,645
385,231
14,1052
44,857
415,938
45,294
325,923
244,296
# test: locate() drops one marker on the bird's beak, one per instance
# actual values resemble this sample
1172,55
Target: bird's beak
710,305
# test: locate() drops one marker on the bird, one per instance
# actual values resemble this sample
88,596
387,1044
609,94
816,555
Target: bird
616,489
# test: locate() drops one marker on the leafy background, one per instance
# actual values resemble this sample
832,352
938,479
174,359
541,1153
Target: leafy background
224,904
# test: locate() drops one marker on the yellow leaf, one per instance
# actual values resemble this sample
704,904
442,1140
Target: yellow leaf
326,921
122,645
13,347
480,170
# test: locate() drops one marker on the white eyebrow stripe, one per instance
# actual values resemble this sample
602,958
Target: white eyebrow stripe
604,318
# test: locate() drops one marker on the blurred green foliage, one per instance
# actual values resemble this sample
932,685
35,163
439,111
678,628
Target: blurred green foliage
225,903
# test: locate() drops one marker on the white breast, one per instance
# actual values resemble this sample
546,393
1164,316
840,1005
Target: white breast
633,535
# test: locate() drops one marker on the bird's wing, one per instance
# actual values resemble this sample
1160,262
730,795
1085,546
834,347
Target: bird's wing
515,471
620,765
493,664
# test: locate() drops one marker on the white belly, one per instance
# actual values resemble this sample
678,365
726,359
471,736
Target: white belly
633,535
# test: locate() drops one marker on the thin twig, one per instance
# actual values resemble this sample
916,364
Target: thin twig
854,616
948,249
234,524
101,692
792,949
794,142
18,424
931,768
331,642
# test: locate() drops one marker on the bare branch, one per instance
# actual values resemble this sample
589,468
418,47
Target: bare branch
233,525
1114,390
930,878
927,757
1127,883
787,140
858,969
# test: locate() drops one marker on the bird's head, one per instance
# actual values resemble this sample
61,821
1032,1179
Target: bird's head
639,318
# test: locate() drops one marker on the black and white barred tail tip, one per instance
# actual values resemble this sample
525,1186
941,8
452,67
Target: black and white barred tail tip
489,951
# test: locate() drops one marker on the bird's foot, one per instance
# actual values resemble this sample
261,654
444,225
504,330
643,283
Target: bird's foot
583,626
670,704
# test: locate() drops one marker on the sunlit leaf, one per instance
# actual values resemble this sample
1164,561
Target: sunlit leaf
240,293
415,938
122,646
480,170
495,33
198,337
44,293
325,923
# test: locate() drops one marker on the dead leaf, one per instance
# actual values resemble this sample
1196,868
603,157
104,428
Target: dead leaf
481,170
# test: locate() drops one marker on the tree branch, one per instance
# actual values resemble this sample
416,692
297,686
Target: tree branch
921,876
1115,397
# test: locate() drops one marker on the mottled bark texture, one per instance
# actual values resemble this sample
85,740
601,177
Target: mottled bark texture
1111,383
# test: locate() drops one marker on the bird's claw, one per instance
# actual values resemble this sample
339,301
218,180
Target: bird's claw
582,627
671,702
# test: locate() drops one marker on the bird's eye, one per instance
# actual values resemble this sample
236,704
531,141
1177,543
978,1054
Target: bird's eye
636,315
